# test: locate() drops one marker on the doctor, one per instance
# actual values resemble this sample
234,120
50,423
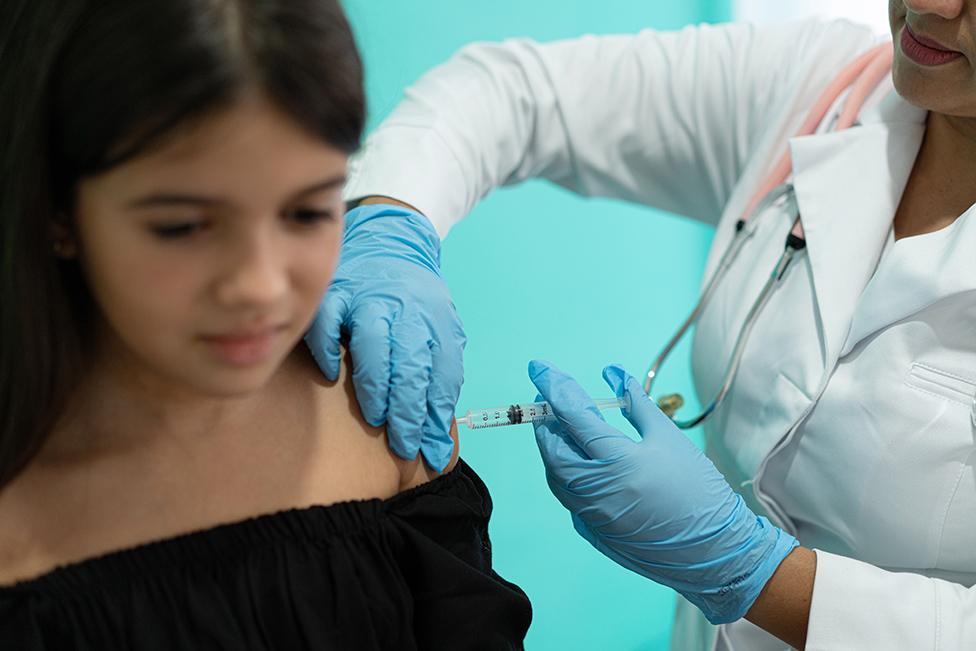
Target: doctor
837,506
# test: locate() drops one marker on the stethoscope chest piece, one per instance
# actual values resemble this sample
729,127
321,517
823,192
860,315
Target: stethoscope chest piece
672,402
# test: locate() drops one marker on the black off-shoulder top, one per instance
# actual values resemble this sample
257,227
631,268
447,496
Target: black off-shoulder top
410,572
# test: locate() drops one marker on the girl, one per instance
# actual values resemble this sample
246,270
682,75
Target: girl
174,472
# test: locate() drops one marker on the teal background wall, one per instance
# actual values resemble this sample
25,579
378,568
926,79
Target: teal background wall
591,282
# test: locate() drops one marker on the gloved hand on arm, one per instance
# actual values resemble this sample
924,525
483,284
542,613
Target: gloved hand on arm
405,336
656,506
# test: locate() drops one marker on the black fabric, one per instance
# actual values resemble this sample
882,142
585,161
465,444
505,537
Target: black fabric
410,572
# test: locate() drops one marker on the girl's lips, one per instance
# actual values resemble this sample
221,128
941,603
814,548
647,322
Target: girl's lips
245,350
925,51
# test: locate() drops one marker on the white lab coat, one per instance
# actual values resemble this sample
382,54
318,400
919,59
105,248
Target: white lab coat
850,420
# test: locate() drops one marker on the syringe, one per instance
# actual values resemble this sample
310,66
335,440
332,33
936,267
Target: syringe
523,412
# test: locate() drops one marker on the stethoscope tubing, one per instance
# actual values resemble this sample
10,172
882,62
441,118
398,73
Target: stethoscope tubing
860,78
743,233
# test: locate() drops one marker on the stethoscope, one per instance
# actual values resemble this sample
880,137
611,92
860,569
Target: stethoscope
861,78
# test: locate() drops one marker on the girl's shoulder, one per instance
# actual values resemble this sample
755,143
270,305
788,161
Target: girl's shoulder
307,445
336,402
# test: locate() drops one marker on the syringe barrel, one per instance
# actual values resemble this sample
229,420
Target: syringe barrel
524,412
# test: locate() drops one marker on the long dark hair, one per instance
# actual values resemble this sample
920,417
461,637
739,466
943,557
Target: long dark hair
88,84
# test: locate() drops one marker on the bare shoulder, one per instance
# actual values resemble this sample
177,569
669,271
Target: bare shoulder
310,446
348,428
58,511
21,556
13,547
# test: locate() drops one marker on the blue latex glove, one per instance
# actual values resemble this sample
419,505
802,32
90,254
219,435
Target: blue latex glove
656,506
406,339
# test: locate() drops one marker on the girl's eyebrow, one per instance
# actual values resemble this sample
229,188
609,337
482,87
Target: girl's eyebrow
180,199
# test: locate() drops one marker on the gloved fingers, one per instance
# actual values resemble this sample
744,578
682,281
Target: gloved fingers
437,450
643,414
554,428
576,411
564,461
369,345
323,336
446,377
436,443
410,365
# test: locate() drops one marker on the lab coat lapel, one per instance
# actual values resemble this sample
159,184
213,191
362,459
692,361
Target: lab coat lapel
917,272
848,186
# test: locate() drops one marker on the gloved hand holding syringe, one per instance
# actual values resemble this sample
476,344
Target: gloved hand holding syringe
525,412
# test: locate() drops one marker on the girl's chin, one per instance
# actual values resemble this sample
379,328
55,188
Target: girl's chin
221,381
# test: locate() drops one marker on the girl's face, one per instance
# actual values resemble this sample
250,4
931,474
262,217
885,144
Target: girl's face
935,53
208,255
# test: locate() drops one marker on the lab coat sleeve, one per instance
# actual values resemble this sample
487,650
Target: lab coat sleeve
859,606
667,119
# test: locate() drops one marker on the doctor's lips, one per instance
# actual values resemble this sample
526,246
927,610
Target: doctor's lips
245,347
925,51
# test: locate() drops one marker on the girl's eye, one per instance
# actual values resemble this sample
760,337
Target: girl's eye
175,231
310,217
304,217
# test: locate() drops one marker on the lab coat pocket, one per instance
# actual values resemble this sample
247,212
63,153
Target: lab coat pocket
941,384
951,467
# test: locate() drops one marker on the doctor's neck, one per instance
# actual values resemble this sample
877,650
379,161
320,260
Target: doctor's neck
958,133
942,185
949,151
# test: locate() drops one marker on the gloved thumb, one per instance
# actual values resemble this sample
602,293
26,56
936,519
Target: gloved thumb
575,411
325,332
643,414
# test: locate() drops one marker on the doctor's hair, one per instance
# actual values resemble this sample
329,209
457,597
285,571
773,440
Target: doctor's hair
86,85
